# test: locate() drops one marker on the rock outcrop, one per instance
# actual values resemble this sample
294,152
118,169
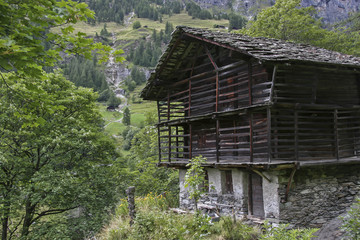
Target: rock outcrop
331,11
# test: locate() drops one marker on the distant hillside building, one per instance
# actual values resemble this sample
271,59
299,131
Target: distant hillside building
278,122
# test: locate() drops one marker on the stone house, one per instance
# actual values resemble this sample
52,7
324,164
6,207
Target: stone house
278,122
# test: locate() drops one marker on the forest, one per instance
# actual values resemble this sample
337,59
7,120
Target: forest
63,171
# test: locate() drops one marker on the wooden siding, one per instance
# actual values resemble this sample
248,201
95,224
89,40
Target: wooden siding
230,87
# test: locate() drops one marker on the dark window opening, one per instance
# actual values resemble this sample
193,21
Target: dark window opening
228,182
205,185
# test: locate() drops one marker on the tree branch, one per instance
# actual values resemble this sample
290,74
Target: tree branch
52,212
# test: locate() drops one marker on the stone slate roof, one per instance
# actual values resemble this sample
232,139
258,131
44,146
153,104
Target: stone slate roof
263,49
268,49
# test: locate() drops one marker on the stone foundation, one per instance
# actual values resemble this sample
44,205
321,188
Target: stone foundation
317,194
226,203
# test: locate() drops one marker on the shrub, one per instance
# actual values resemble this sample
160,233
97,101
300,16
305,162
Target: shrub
136,25
231,230
352,221
282,233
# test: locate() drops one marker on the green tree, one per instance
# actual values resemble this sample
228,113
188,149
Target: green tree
194,179
113,100
25,28
53,159
143,159
136,25
288,21
126,117
236,21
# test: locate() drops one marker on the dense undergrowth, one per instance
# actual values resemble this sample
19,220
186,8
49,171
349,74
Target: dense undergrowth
154,220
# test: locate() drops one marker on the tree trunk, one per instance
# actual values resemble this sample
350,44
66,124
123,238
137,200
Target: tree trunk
5,217
29,214
4,223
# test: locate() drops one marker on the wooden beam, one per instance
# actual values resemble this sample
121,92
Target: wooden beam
210,57
273,83
261,174
289,184
217,140
269,133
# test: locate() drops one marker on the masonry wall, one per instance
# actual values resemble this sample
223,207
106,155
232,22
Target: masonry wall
226,203
318,194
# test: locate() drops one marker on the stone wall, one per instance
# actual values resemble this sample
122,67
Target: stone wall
318,194
226,203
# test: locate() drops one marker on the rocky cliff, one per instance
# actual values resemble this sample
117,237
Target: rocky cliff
330,10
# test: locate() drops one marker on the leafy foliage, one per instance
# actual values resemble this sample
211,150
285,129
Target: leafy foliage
288,21
127,116
282,233
54,158
352,221
136,25
27,45
87,73
195,177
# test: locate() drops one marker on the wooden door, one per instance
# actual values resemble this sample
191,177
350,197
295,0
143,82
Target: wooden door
256,196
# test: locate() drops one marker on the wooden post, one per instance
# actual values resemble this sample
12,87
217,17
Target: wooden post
190,139
296,135
168,106
217,140
130,192
217,92
269,133
273,84
189,98
169,146
336,134
251,137
177,141
158,108
159,143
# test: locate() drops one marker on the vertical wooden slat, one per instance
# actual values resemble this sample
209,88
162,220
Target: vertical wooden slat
336,134
269,133
273,83
217,92
250,82
158,109
190,139
251,138
217,140
168,106
296,126
169,146
159,144
189,98
177,141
